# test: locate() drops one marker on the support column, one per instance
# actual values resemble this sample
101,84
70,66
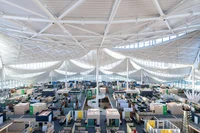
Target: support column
141,76
118,85
51,74
181,84
193,80
66,74
97,79
127,74
185,84
2,77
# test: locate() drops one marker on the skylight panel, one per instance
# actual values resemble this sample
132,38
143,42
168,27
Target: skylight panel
27,75
34,66
172,37
165,39
159,40
151,42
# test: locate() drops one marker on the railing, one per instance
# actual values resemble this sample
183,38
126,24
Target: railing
5,125
92,103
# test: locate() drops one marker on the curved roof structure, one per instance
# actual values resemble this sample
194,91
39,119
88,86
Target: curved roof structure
159,38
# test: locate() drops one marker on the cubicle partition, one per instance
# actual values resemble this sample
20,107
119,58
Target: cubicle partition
160,126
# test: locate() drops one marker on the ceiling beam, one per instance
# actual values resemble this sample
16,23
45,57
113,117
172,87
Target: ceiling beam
67,36
178,6
136,20
136,35
112,15
60,17
23,31
71,9
26,38
129,28
157,5
3,24
22,8
188,28
39,4
85,30
164,17
29,19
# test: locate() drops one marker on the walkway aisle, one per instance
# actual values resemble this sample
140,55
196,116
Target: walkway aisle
83,98
110,90
103,124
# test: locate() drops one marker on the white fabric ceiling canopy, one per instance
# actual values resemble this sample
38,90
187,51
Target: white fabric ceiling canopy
35,31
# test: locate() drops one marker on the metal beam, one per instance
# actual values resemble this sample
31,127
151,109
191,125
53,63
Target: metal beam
71,9
60,17
85,30
165,17
22,8
67,36
97,78
134,26
157,5
136,20
66,80
112,15
141,75
39,4
34,32
177,6
41,31
9,26
29,19
188,28
127,70
140,31
193,80
2,72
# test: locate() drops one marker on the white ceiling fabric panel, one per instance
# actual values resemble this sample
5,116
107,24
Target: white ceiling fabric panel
72,67
104,58
167,70
73,30
112,65
163,79
123,67
63,72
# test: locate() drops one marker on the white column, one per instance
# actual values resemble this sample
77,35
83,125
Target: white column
97,78
51,74
127,73
66,74
141,76
193,80
185,84
2,77
118,85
